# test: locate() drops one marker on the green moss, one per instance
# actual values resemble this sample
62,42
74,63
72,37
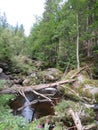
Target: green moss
91,82
68,75
5,98
87,115
80,89
2,83
96,97
72,72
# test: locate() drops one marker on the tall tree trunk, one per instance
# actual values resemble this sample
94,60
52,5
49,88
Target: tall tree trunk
87,30
90,20
77,43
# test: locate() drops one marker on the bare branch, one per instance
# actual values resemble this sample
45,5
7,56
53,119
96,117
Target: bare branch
76,119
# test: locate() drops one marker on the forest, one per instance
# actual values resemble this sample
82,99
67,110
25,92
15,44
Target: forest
49,79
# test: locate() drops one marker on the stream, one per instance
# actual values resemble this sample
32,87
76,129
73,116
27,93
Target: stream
32,107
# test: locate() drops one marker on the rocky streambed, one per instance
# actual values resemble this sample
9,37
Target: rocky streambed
72,98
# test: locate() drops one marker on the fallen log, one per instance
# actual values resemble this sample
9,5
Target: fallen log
76,119
18,89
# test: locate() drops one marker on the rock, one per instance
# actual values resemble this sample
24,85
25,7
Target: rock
32,79
90,89
83,87
49,91
4,76
50,75
81,78
1,70
4,65
46,76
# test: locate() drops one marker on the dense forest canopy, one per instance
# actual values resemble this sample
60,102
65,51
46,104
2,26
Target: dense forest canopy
54,38
66,35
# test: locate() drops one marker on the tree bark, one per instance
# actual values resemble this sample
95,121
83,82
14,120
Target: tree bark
20,89
77,44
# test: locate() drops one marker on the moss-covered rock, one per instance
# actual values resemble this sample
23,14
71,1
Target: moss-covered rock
32,79
50,75
83,87
45,76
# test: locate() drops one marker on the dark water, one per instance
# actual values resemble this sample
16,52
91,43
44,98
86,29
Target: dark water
95,108
33,106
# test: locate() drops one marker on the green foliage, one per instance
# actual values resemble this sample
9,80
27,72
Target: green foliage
53,41
12,40
53,28
10,122
5,50
7,120
62,110
41,38
2,83
53,38
63,107
23,63
37,125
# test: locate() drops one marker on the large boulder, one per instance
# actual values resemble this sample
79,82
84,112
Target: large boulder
50,75
83,88
3,75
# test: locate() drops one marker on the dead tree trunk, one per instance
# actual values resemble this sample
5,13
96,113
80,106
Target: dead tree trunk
19,89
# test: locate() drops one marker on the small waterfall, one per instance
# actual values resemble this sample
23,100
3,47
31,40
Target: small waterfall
27,111
32,107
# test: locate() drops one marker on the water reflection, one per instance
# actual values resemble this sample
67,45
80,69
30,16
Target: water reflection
34,106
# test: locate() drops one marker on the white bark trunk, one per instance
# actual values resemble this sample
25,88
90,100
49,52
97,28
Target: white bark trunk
77,44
